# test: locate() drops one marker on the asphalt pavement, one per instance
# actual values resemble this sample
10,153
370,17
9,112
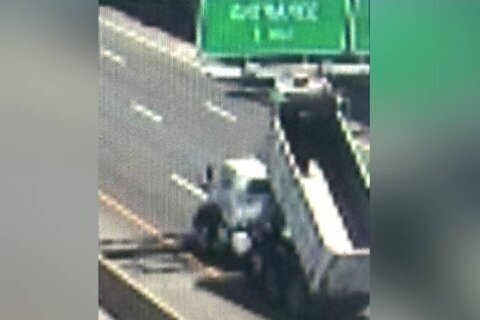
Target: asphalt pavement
159,117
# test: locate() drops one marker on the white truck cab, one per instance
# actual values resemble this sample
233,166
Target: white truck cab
241,195
242,192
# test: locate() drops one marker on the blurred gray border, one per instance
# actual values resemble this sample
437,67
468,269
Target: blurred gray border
48,160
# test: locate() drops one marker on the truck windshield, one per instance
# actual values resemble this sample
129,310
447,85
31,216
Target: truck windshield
258,186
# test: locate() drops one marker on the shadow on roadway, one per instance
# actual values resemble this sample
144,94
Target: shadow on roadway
261,96
237,289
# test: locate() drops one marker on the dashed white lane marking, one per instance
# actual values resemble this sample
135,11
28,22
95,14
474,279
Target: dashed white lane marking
152,45
184,53
227,115
129,34
110,55
146,112
196,64
190,187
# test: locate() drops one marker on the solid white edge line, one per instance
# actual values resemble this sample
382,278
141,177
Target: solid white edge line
146,112
184,54
229,116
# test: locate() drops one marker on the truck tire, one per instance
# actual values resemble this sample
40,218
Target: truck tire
272,278
206,224
297,297
254,268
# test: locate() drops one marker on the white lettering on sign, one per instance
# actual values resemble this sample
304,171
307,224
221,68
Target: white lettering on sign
302,11
240,12
280,34
256,34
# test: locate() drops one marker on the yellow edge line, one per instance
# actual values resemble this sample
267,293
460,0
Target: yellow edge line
134,218
114,204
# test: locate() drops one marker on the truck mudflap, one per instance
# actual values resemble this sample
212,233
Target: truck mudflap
349,275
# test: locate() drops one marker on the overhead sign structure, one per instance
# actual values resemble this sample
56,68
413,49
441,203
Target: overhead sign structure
361,27
254,28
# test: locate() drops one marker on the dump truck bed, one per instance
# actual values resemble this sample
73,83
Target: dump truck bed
325,203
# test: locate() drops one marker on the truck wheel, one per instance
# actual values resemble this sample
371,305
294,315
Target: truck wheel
255,267
206,224
205,244
272,281
297,297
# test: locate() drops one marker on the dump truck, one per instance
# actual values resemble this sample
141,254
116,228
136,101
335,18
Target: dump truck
298,219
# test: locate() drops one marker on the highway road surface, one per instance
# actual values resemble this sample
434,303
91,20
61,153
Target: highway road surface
160,123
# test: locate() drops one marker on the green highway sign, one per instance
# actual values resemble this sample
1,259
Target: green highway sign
361,27
254,28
